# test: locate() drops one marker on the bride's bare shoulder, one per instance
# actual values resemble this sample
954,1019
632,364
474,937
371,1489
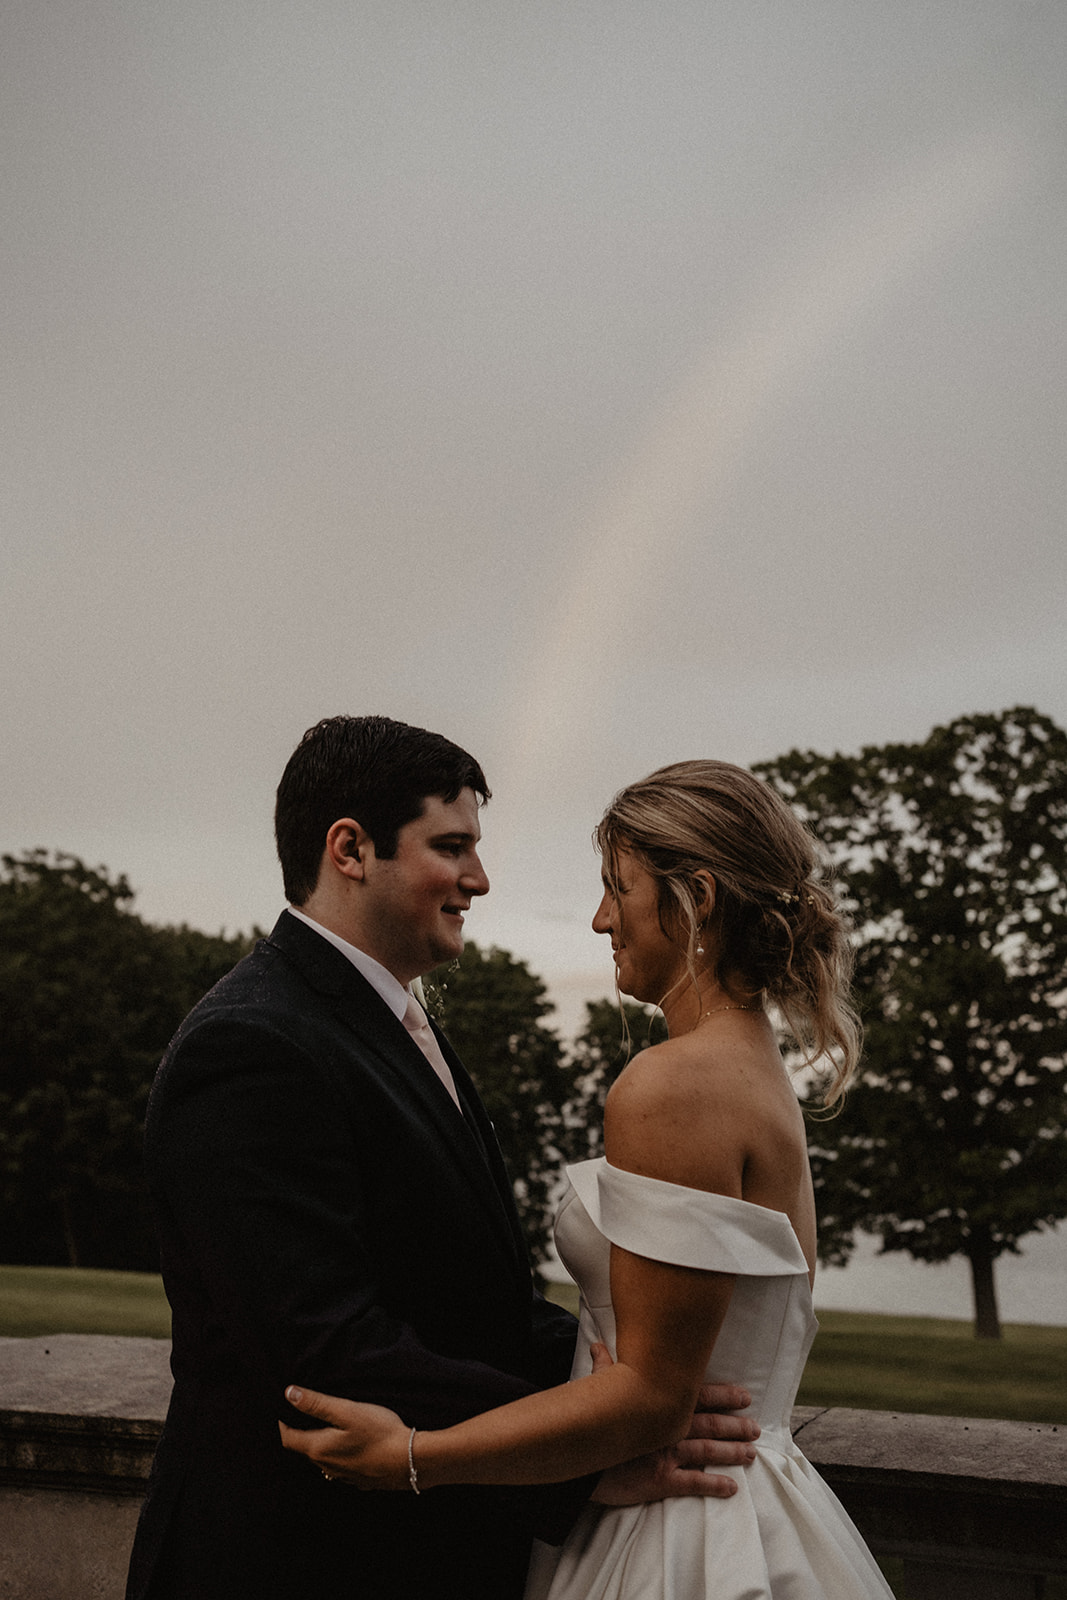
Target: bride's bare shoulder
673,1116
655,1073
730,1063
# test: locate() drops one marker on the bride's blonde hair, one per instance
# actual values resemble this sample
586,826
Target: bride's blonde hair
775,928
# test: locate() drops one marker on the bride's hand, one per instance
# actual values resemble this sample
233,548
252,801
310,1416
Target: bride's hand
363,1445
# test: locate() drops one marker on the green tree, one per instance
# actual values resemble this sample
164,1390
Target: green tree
493,1009
952,853
599,1054
89,996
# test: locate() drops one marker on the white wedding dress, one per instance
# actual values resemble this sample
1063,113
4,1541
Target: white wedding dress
784,1535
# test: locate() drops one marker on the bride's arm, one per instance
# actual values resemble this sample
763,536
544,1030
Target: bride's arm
643,1401
667,1319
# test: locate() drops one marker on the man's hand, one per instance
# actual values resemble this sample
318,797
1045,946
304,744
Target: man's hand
717,1438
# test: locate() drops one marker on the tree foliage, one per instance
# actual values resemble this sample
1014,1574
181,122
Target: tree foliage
89,996
493,1009
952,853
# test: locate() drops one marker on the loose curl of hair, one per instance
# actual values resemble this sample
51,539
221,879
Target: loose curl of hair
775,928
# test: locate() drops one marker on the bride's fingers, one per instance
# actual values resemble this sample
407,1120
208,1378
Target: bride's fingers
324,1406
314,1443
356,1417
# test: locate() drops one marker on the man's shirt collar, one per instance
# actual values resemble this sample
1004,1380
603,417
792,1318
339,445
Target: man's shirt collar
381,980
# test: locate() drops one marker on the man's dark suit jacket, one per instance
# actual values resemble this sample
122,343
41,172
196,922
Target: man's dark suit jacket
327,1217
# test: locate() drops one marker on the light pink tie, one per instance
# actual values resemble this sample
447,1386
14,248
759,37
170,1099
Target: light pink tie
415,1022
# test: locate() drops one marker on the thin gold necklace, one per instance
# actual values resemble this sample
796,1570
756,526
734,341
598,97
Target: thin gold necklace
714,1009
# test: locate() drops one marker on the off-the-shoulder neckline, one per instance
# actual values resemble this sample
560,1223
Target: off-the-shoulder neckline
681,1188
596,1183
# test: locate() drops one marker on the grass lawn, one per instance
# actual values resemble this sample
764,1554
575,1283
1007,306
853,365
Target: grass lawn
36,1300
937,1366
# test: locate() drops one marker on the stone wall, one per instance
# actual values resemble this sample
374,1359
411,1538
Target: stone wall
969,1510
79,1420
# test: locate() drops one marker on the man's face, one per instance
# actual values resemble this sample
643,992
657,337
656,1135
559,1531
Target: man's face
414,904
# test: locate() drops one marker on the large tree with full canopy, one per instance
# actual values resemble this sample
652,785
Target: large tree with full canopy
952,854
89,996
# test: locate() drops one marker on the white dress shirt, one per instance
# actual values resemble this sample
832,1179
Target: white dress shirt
396,997
380,978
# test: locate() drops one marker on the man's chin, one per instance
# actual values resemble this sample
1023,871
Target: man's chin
447,950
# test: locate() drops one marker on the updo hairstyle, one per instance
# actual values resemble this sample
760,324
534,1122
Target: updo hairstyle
775,928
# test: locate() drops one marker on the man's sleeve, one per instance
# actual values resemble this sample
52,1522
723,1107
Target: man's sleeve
554,1331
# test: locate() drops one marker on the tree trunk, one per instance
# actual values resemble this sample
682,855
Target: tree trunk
68,1232
980,1255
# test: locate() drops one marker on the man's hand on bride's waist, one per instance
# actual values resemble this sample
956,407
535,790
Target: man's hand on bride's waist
718,1437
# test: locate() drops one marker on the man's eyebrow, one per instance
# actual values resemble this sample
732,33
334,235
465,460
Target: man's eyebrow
455,836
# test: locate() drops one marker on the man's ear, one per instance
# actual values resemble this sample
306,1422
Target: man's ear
347,845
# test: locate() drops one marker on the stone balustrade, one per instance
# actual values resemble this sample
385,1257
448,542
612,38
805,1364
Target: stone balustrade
969,1509
973,1509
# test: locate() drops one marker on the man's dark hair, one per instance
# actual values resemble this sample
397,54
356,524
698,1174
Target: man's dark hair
374,770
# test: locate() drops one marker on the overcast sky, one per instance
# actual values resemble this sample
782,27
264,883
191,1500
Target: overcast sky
600,384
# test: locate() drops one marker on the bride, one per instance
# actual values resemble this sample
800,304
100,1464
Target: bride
693,1239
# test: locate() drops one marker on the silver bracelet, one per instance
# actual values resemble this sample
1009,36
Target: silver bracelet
413,1477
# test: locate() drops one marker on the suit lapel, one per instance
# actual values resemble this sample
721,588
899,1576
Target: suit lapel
483,1130
467,1140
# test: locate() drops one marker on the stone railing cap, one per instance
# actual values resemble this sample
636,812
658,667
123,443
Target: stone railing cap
86,1375
949,1447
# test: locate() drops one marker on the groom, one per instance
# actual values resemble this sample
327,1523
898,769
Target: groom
333,1211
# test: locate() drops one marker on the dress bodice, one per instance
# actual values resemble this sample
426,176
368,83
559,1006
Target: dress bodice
770,1324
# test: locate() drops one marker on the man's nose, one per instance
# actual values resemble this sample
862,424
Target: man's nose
477,879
